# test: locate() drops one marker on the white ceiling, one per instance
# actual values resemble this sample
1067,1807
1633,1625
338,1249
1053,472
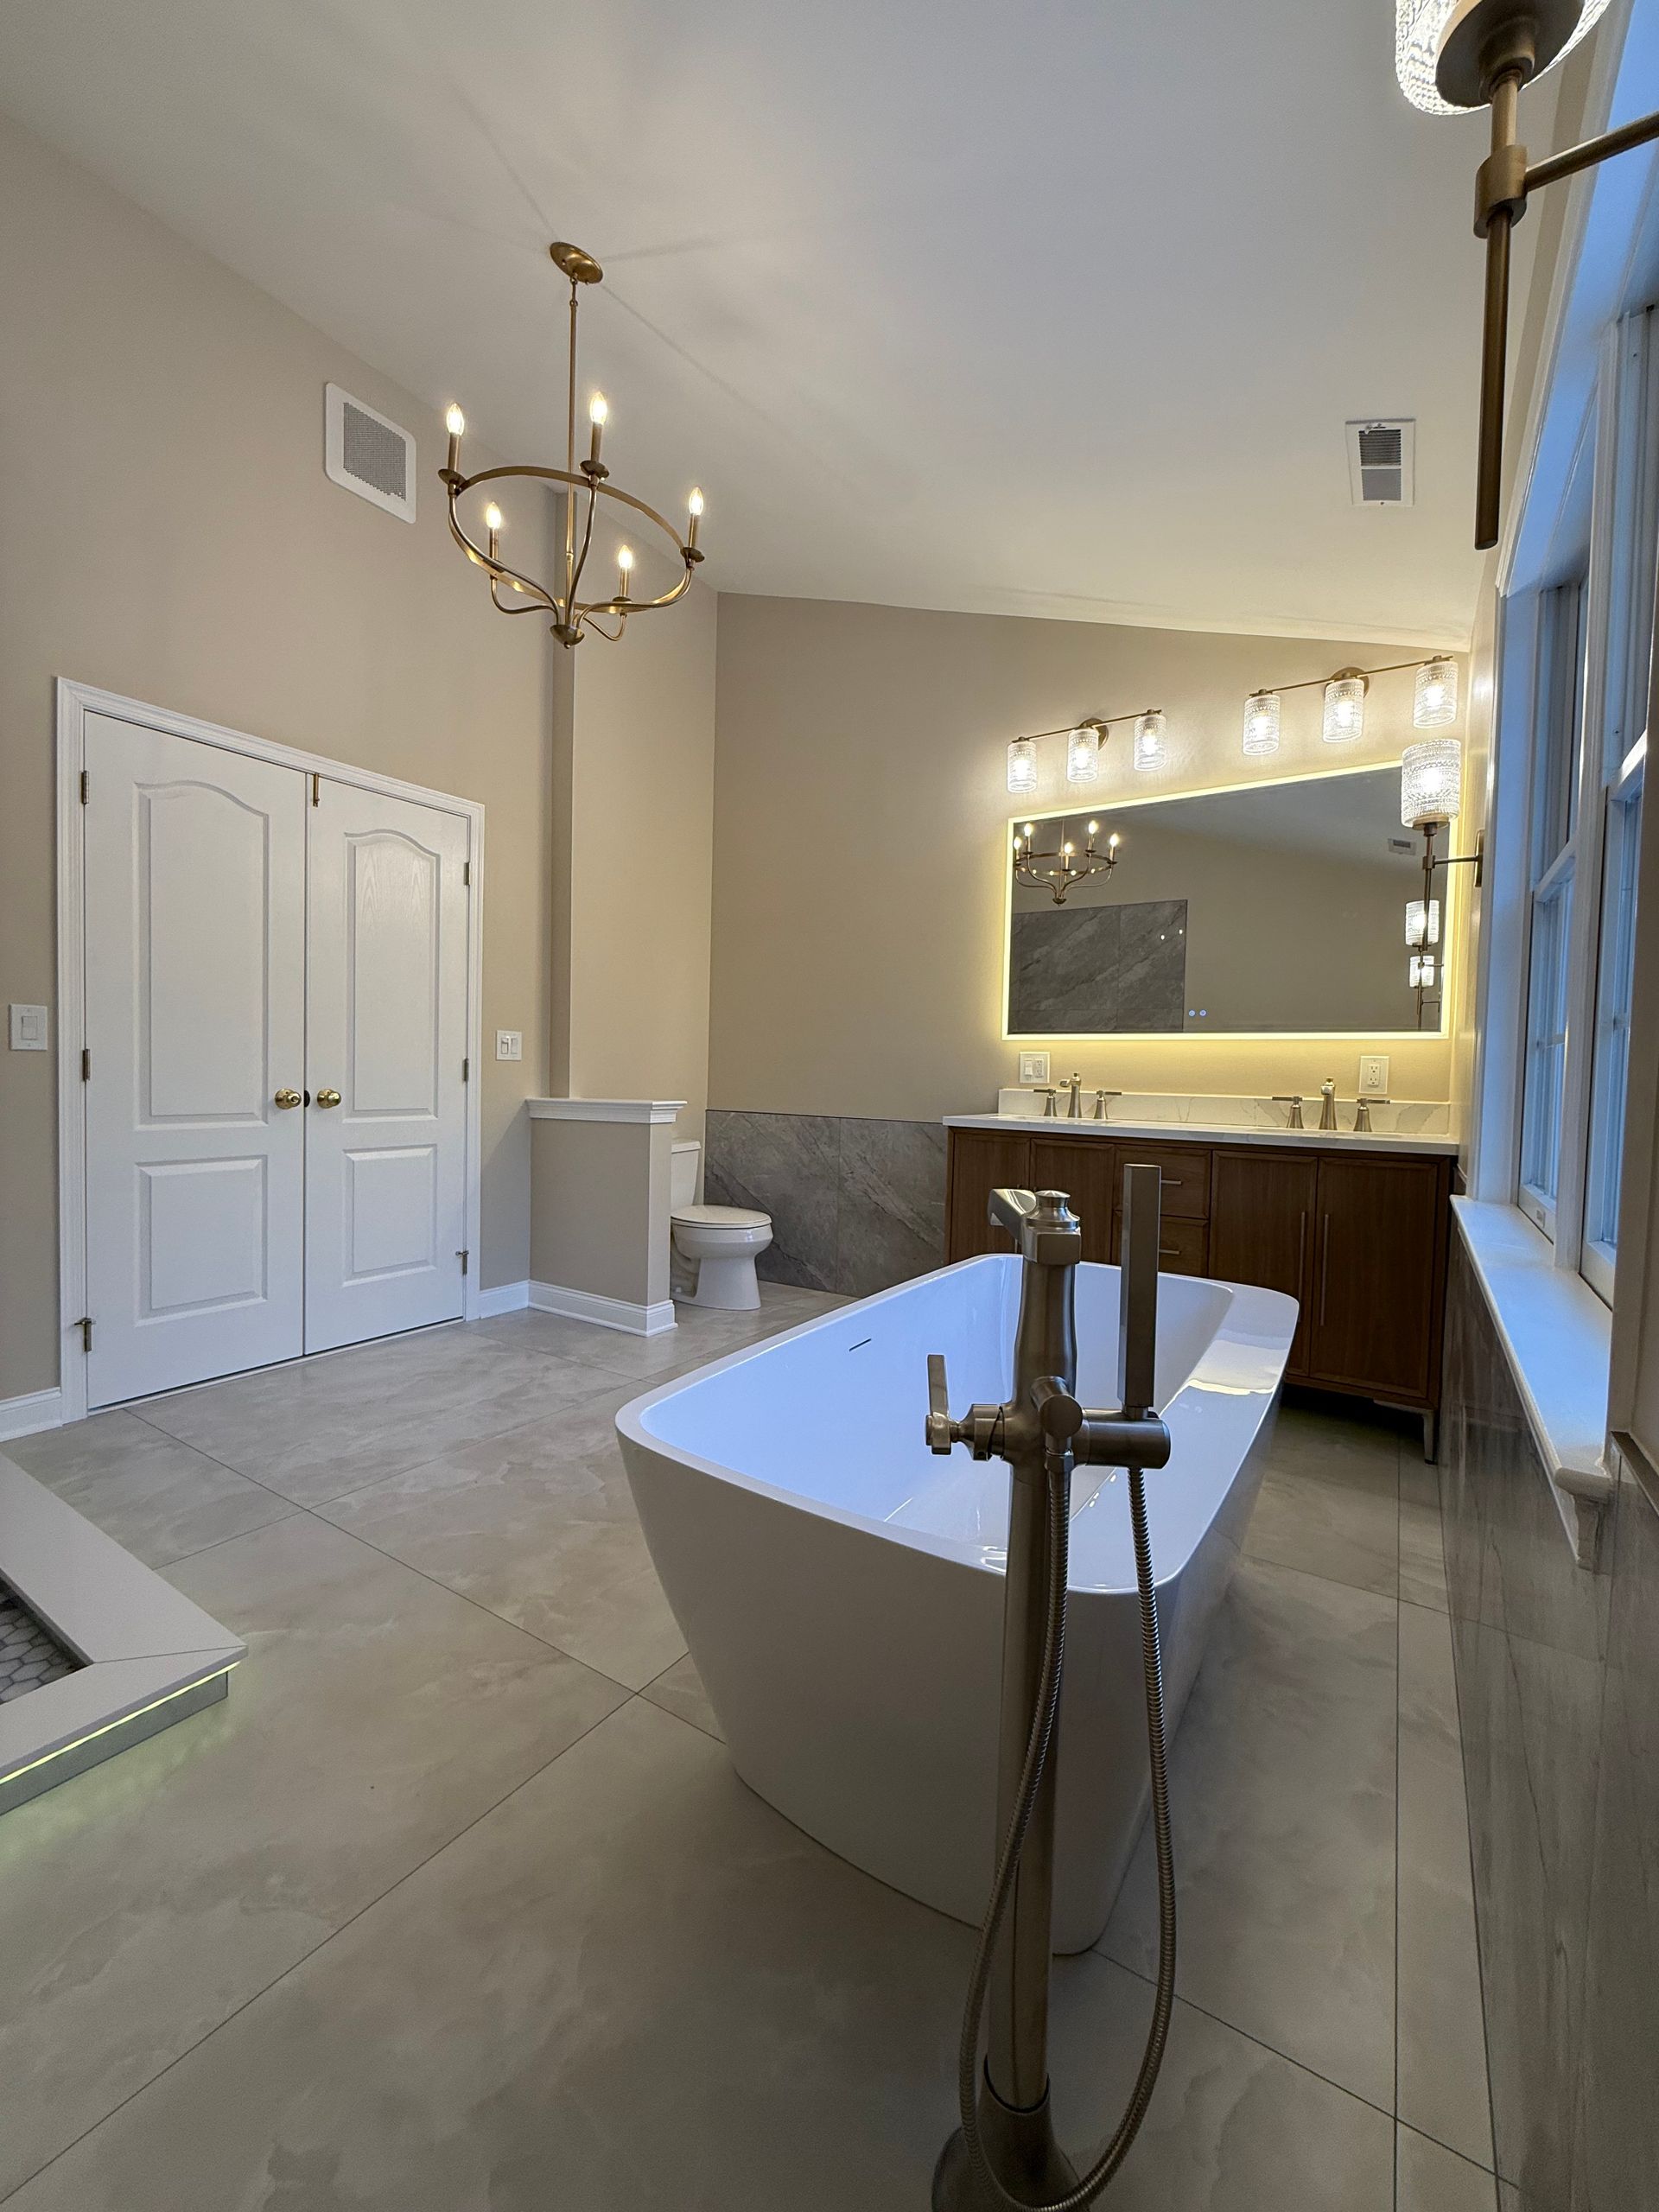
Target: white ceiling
1049,310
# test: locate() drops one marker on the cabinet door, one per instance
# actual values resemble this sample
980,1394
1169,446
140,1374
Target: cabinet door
1085,1169
1183,1245
1261,1230
982,1160
1374,1275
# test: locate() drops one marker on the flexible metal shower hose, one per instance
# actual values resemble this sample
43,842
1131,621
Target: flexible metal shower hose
1037,1750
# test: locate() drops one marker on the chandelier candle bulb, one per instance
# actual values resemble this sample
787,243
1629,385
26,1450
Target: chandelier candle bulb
455,423
694,508
492,518
623,569
598,413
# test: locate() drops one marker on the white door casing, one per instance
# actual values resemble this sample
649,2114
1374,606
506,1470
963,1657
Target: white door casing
195,1020
385,1165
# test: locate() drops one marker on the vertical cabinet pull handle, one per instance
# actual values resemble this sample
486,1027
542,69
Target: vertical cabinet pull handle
1325,1263
1302,1252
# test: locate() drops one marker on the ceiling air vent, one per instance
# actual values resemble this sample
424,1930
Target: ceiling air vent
1381,458
369,454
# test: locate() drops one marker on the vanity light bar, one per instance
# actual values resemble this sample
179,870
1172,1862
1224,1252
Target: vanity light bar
1434,702
1086,740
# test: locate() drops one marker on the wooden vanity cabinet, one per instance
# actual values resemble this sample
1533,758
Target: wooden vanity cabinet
1358,1238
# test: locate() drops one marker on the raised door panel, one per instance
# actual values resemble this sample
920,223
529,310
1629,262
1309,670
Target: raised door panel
1375,1275
1085,1169
386,1188
195,920
982,1160
1261,1228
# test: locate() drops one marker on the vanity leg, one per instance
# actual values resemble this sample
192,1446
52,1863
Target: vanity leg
1431,1438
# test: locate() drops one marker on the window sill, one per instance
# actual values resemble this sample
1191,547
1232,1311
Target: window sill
1557,1336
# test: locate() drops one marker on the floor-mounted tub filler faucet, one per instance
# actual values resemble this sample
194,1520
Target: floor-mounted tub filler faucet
1004,2152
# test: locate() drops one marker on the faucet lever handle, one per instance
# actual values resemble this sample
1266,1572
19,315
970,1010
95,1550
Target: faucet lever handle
941,1432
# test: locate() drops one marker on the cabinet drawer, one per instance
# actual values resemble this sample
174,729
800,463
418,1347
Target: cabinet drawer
1185,1168
1183,1245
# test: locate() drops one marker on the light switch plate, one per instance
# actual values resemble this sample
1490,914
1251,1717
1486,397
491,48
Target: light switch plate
1033,1067
1373,1075
509,1043
29,1033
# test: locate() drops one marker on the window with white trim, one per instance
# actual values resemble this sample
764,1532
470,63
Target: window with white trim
1586,763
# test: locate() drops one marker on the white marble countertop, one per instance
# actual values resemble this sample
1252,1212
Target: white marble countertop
1342,1140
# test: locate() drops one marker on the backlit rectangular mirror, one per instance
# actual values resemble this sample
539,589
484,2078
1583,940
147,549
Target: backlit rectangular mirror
1280,907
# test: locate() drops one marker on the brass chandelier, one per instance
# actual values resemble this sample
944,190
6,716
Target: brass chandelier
1059,871
573,616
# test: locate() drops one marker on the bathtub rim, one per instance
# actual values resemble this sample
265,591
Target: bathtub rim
1258,1326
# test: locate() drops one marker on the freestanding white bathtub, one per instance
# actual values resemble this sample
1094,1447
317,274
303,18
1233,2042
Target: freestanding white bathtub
840,1588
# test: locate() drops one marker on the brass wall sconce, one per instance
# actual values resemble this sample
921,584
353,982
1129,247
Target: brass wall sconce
573,616
1057,871
1451,56
1086,740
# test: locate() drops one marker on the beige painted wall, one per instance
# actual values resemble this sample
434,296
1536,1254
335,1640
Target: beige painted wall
171,535
599,1214
636,776
861,814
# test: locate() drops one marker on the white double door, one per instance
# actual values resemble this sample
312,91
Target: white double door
275,996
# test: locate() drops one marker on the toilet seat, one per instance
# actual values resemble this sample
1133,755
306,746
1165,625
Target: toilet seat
706,1217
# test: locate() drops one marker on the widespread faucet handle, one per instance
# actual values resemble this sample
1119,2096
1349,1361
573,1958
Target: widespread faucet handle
1294,1100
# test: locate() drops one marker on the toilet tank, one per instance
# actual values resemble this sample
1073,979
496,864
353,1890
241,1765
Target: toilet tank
682,1173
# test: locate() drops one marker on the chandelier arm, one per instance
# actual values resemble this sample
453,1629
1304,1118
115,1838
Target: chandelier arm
572,606
497,570
606,490
639,606
525,605
610,636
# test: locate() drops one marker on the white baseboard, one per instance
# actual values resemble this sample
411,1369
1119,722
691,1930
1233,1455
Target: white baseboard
606,1312
35,1409
506,1298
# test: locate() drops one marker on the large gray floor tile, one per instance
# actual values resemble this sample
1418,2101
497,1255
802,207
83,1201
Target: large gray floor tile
539,1525
319,1429
1422,1550
159,1498
1283,1797
633,1987
1344,1525
1442,2036
678,1689
375,1717
1431,2179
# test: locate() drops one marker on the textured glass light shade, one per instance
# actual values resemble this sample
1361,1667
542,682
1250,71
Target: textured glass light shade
1344,709
1022,765
1149,740
1261,722
1419,27
1420,976
1435,702
1422,922
1430,781
1083,754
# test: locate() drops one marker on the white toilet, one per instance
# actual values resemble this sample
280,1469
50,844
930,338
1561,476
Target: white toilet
720,1241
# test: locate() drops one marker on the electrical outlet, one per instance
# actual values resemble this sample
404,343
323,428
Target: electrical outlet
28,1029
1033,1067
1374,1075
509,1043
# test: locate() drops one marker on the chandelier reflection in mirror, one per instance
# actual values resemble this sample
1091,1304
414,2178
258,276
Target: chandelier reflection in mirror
1056,871
585,486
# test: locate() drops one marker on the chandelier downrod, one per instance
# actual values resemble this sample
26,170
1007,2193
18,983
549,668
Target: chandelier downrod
573,616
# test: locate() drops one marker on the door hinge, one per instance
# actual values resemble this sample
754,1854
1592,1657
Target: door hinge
85,1063
85,1325
465,871
84,786
466,1070
316,788
461,1257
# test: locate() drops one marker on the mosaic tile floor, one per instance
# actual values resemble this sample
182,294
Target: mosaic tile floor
29,1654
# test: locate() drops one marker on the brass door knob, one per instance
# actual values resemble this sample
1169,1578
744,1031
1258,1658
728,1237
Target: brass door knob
287,1097
327,1098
